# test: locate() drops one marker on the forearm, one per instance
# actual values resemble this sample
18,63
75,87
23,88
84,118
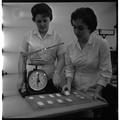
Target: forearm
69,73
69,80
105,66
21,65
60,64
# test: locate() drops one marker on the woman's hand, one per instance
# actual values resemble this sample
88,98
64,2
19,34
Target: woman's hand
21,87
98,92
95,92
66,87
97,95
20,83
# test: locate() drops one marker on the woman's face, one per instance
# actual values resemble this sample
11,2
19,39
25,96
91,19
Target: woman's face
42,23
81,30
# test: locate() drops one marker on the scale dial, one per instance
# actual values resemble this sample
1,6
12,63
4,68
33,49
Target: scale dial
37,80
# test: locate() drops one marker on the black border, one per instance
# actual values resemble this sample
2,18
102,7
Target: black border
59,1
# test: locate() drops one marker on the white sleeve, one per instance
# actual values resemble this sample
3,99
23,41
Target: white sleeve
24,45
105,64
69,69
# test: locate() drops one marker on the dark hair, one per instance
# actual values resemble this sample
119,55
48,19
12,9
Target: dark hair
87,16
42,9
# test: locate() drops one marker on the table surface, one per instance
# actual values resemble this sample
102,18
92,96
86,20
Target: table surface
48,105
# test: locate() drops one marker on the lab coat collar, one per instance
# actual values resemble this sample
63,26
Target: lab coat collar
36,32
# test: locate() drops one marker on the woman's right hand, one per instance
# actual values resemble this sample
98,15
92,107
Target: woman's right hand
66,87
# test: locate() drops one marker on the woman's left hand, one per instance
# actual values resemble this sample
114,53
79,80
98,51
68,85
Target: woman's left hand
97,95
98,92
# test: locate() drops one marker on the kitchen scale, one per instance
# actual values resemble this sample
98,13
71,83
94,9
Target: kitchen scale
36,82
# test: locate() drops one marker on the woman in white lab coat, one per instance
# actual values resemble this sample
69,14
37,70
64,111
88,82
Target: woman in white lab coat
88,61
42,37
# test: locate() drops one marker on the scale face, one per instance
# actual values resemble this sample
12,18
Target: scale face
37,80
37,83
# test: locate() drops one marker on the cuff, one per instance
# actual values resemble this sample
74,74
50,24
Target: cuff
102,83
69,75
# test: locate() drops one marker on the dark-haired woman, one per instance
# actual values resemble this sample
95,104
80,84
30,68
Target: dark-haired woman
42,37
88,61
